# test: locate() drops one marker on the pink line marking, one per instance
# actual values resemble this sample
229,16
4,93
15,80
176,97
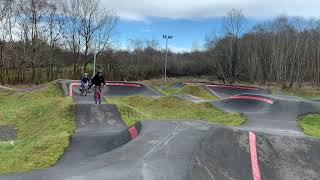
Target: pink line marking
254,157
133,131
234,87
254,98
70,89
108,84
123,84
71,86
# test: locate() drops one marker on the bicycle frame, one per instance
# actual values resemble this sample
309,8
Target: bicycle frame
97,95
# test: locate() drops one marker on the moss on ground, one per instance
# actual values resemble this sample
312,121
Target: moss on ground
192,89
44,121
311,124
136,108
304,93
198,91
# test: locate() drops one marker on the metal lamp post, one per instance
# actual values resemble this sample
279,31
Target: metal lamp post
166,37
94,62
95,50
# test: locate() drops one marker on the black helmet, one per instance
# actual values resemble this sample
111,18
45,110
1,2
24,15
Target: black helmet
99,71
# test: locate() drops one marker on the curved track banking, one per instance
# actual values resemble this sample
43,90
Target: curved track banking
129,88
281,150
118,88
226,91
182,150
266,113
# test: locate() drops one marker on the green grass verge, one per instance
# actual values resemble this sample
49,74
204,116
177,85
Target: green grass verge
304,93
136,108
198,91
44,121
311,124
191,89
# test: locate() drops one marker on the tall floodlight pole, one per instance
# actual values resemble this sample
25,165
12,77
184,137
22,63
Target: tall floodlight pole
94,60
166,37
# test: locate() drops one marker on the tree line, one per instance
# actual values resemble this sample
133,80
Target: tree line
285,50
43,40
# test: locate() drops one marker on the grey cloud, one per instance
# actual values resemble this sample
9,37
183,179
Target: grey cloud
143,9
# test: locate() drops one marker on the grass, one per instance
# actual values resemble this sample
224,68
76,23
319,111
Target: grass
197,90
311,124
44,121
304,93
136,108
191,89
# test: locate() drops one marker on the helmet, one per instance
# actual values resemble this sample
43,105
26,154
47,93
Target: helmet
86,74
100,71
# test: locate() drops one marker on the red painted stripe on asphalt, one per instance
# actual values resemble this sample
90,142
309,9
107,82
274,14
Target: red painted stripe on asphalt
70,87
133,131
234,87
254,157
253,98
123,84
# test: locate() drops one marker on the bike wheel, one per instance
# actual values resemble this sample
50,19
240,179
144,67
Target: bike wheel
96,98
81,92
99,97
85,91
90,90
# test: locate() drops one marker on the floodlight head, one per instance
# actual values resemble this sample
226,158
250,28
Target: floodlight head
164,36
170,37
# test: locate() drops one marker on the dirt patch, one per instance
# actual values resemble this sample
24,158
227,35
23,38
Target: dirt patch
7,133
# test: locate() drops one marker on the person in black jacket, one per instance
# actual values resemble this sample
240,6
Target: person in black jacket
97,81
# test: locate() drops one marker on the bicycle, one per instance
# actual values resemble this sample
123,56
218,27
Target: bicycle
84,90
97,94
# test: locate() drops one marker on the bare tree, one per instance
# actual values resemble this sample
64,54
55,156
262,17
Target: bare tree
92,28
72,32
5,5
54,32
234,26
226,52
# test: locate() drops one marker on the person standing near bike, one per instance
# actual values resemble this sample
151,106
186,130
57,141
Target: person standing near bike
97,81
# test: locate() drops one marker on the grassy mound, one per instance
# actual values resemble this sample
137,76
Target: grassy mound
198,91
191,89
136,108
311,124
44,121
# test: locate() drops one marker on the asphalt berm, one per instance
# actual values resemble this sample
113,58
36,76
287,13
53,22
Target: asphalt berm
226,91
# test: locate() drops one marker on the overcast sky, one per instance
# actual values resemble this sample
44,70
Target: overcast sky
190,20
142,9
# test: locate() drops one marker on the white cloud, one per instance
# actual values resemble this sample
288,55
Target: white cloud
179,49
143,9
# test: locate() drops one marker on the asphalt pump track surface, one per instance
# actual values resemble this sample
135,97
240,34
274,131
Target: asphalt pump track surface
226,91
103,148
118,88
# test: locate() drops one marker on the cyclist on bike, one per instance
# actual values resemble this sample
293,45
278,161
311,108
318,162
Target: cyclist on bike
97,80
84,81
